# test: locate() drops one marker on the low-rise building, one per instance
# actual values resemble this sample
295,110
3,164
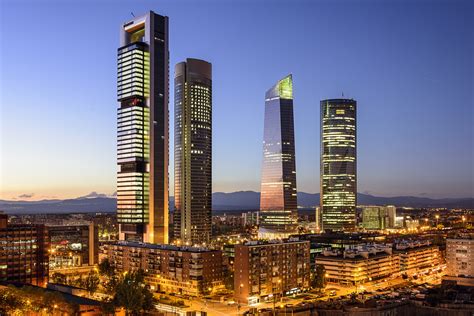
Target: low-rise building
417,256
185,270
270,269
359,264
73,246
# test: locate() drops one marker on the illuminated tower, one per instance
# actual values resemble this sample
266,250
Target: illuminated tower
142,153
193,152
278,205
338,164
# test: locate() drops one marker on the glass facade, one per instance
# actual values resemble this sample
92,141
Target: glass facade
142,121
338,164
193,152
278,200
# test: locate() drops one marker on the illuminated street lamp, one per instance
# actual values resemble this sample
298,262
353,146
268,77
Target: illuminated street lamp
437,218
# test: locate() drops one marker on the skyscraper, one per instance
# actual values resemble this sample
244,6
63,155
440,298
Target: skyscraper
338,164
193,151
142,153
278,201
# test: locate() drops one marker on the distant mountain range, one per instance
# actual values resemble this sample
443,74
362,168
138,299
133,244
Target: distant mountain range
242,200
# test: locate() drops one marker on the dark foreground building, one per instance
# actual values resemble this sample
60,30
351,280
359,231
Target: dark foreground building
142,153
338,164
278,201
23,253
193,152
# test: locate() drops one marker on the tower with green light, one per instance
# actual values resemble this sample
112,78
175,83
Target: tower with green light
142,121
278,196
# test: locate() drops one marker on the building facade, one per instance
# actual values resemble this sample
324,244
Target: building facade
184,270
338,164
460,259
378,217
417,257
359,265
192,218
73,246
278,196
142,152
270,269
23,253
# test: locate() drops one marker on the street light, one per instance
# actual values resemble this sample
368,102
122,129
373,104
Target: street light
240,296
281,290
437,218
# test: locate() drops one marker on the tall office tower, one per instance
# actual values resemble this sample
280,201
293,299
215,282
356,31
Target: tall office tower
142,153
193,152
338,164
278,201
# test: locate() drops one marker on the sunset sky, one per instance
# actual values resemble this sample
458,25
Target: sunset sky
409,65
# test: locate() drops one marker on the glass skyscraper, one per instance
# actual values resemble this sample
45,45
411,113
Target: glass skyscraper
338,164
193,152
142,145
278,200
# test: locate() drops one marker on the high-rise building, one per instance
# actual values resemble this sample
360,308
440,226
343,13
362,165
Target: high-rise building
24,253
338,164
278,201
142,153
193,152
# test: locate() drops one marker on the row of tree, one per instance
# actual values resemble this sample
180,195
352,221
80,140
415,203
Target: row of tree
128,291
29,299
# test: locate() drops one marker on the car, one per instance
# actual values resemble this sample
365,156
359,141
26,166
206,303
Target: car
332,293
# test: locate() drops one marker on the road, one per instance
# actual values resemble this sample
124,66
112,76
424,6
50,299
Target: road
221,308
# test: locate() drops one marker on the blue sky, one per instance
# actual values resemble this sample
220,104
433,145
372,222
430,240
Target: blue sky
409,64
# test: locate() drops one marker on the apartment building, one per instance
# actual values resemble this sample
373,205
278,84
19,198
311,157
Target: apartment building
263,270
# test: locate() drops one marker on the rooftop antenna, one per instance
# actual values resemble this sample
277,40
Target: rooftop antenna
132,14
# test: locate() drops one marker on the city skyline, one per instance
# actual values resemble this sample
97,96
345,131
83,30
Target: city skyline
428,145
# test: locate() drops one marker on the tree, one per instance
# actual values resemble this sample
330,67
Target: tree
318,280
229,279
132,294
59,278
106,268
91,283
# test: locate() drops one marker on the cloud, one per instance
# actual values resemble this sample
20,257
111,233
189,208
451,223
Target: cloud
26,196
93,195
